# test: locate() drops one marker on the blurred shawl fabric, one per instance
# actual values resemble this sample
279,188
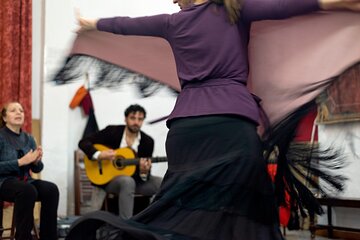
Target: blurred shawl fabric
149,56
291,61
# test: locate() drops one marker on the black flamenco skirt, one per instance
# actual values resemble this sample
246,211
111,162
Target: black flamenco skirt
216,186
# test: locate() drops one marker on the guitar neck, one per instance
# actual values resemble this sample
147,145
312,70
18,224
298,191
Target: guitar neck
158,159
135,161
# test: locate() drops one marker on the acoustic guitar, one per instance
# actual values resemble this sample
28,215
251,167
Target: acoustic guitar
103,171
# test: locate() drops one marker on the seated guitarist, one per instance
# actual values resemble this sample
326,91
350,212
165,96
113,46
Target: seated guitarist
119,136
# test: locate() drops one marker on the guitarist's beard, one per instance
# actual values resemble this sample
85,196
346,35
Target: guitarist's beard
134,128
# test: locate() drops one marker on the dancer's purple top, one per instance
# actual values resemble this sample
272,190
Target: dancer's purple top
210,53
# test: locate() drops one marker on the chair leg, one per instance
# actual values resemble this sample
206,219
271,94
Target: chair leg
106,204
12,230
2,229
1,219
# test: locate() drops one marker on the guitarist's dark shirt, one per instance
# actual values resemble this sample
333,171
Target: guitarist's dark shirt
111,137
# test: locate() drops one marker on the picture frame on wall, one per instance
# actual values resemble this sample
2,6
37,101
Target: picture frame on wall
337,106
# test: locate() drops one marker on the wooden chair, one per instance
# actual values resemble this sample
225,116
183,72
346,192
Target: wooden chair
82,185
12,229
84,189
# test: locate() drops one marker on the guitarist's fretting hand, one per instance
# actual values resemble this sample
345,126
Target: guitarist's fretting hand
107,155
145,165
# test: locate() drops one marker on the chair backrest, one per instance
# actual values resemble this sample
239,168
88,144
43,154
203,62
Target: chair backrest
82,185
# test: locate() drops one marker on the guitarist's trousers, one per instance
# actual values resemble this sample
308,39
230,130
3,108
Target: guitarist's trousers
126,188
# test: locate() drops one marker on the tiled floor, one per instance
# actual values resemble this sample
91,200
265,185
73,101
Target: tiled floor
292,235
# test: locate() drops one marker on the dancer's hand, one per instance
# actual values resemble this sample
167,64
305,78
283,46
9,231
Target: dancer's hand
85,24
349,5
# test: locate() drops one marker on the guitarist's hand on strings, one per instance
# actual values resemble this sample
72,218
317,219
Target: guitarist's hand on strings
107,155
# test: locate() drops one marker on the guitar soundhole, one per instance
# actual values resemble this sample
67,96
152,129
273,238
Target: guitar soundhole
118,163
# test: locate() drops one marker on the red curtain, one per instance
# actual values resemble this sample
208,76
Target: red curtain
15,54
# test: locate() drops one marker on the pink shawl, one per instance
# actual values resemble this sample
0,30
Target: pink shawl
286,57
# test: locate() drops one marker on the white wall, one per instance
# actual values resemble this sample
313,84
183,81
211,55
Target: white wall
62,127
346,138
37,56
